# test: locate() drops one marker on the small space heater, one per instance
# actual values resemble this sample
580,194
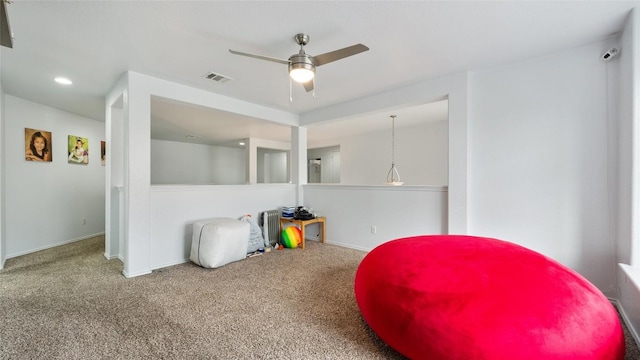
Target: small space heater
270,223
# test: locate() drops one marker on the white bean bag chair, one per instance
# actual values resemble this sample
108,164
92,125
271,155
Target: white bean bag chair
219,241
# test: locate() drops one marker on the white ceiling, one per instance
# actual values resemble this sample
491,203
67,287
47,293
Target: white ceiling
95,42
178,121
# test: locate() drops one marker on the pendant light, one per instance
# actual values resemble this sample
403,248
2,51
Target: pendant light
393,177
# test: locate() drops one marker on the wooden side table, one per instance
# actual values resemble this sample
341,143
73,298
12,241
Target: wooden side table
302,223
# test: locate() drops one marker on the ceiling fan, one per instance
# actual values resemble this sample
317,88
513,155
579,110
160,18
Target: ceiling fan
302,66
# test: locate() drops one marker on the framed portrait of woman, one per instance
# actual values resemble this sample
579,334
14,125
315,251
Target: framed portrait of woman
37,145
78,150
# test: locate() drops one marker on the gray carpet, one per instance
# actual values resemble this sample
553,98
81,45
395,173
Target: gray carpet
71,303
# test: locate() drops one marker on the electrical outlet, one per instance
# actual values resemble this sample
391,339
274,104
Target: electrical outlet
373,229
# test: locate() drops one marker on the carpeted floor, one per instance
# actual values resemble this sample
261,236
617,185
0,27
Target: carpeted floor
70,302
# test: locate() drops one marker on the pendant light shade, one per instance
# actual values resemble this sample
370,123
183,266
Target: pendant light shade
393,176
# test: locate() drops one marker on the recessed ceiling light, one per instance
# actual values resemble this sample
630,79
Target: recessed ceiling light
63,81
241,143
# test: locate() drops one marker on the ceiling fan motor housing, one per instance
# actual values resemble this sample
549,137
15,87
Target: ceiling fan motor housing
301,39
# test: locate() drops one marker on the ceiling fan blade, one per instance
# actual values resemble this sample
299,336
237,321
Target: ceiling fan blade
267,58
308,85
5,29
338,54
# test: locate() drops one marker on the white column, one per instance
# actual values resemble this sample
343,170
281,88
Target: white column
635,142
2,162
458,155
114,168
299,160
251,155
137,175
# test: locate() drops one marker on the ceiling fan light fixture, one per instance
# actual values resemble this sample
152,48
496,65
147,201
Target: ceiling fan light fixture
301,75
301,68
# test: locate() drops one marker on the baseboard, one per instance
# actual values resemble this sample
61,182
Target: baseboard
127,275
110,257
348,246
629,282
177,262
625,319
54,245
113,257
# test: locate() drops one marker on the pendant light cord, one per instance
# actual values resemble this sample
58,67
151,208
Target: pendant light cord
393,140
393,177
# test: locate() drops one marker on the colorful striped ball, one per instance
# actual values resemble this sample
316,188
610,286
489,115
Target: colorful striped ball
291,237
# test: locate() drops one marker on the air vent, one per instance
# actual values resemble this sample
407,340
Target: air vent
217,77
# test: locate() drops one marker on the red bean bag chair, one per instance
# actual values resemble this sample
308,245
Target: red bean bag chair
472,298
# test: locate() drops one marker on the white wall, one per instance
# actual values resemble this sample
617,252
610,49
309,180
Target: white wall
421,155
174,209
629,143
628,225
3,250
394,211
625,146
538,159
49,201
186,163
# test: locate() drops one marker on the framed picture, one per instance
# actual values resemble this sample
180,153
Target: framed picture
78,150
37,144
103,153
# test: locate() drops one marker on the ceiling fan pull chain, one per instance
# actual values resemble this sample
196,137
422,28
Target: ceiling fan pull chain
290,95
